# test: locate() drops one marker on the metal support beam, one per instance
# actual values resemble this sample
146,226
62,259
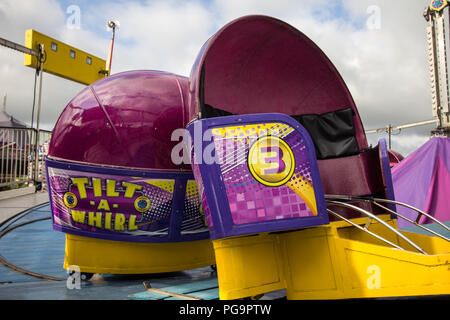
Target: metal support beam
18,47
40,65
402,126
437,58
390,128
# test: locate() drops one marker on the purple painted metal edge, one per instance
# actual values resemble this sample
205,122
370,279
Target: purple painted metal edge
176,215
117,171
49,192
386,169
181,178
134,239
215,188
209,180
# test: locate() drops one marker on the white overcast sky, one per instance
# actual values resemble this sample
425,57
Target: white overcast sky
378,46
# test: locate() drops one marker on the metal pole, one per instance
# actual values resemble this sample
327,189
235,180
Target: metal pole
403,126
390,134
436,36
36,168
18,47
111,24
111,49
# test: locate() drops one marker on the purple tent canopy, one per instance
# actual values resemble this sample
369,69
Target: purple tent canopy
11,137
7,120
423,181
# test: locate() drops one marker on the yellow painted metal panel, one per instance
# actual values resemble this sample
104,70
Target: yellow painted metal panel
118,257
63,60
362,268
336,261
310,261
248,266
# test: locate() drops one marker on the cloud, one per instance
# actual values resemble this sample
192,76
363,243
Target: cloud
384,64
164,35
17,81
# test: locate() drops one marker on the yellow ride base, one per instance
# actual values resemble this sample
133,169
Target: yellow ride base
336,261
116,257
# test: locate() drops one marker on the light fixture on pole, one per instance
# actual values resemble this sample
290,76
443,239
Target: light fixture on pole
111,25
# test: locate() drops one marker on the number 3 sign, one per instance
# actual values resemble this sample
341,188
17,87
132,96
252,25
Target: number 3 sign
266,178
271,161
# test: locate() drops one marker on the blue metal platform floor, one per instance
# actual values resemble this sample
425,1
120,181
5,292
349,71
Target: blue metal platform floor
38,248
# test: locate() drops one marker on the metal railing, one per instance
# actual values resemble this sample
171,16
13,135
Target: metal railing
18,155
339,200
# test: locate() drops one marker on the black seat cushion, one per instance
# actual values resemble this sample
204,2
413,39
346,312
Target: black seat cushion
211,112
333,133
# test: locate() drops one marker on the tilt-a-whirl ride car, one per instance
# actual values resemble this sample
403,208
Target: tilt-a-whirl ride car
282,190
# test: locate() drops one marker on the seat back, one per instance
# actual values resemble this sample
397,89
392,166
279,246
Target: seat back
262,177
364,174
258,64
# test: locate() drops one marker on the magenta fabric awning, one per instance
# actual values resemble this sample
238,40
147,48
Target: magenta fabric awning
423,181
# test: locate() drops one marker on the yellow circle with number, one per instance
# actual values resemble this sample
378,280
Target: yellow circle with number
271,161
70,200
142,204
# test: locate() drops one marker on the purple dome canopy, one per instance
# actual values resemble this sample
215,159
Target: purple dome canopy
124,120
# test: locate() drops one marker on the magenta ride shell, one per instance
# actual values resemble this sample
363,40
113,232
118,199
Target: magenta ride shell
124,120
109,166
